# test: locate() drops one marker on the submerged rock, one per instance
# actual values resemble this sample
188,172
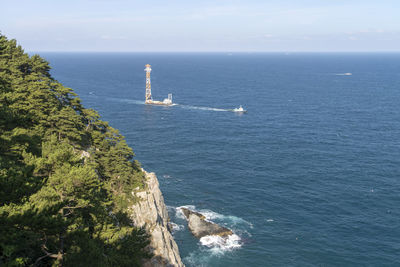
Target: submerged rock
200,227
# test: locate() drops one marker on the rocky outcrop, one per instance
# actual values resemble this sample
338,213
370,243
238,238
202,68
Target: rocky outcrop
150,211
200,227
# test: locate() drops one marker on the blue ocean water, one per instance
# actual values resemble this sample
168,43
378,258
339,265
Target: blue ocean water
310,176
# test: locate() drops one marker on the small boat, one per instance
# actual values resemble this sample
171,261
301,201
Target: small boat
239,109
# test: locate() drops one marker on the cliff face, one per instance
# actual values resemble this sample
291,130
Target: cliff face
151,212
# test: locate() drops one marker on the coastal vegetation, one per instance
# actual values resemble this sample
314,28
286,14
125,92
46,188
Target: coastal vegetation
66,177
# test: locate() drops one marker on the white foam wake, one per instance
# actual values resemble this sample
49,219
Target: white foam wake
202,108
140,102
344,74
125,100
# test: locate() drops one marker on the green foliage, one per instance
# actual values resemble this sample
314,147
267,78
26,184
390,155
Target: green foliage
66,177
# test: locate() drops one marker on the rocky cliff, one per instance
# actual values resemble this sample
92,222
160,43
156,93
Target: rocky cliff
150,211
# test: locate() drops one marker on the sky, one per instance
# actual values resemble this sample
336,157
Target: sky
203,25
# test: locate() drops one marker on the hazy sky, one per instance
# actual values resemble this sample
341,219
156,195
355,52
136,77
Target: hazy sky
203,25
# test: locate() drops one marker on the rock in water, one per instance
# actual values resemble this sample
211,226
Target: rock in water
187,212
200,227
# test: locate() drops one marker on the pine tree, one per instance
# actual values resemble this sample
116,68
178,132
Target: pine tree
65,176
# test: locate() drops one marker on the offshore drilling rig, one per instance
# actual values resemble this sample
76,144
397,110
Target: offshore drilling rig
149,98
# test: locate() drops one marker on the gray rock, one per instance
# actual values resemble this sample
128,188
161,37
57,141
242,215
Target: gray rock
200,227
150,212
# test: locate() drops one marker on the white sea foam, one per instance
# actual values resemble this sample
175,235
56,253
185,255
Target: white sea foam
226,219
220,244
199,259
344,74
212,216
270,220
177,227
217,244
179,213
210,249
203,108
170,209
125,100
131,101
140,102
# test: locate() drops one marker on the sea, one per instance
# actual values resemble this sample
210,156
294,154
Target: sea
309,176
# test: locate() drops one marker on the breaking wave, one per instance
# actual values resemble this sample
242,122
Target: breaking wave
217,244
177,227
179,214
226,220
212,247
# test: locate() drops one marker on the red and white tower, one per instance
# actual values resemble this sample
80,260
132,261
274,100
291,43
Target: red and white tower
148,84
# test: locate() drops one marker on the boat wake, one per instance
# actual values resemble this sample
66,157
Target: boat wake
116,99
344,74
139,102
129,101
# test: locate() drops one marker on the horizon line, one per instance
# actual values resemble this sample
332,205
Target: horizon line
228,52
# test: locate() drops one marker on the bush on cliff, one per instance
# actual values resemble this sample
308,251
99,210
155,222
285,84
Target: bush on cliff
66,177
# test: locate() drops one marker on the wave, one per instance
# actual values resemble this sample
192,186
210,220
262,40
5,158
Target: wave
178,211
212,247
344,74
177,227
117,99
203,108
229,219
140,102
125,100
219,244
198,259
213,216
